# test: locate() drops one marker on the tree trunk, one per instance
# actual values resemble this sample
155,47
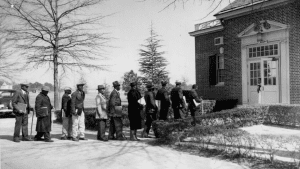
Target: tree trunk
56,88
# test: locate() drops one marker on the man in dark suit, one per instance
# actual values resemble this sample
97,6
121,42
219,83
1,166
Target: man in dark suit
164,104
115,113
192,106
43,113
77,109
66,115
178,103
21,96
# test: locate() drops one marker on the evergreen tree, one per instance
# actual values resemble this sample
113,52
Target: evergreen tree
152,63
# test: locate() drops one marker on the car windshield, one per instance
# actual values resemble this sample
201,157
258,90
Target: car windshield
5,94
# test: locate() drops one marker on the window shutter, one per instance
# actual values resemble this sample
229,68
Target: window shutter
212,70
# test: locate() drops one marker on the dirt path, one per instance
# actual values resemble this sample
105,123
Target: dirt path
94,154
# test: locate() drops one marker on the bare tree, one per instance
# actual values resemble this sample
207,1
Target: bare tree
56,33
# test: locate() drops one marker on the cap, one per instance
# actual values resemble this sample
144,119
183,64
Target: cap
46,88
116,83
24,84
178,82
133,84
67,88
100,87
80,84
149,85
164,82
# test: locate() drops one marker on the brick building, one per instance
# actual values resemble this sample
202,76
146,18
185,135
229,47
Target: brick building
250,40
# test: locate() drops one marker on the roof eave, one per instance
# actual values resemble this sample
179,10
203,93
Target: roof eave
206,31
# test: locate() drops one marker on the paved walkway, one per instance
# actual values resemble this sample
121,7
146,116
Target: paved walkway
95,154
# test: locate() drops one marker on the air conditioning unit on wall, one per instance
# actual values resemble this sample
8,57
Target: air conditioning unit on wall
219,41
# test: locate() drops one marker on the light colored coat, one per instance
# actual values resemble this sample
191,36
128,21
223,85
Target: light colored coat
101,112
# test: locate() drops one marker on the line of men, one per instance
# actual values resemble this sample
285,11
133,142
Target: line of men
73,117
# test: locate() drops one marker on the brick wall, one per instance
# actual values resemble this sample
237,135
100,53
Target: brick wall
287,14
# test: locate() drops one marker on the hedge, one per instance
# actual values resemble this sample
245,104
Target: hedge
286,115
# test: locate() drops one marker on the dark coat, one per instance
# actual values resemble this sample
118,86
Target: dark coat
77,102
114,100
66,104
134,109
43,123
177,98
193,96
150,102
19,97
162,95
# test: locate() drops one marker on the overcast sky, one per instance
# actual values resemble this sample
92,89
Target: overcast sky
130,27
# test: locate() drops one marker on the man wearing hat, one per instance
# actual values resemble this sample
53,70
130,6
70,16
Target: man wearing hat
164,101
43,113
77,110
115,113
178,102
134,109
21,97
101,113
66,115
151,109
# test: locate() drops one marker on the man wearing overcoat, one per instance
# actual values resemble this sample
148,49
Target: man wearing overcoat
116,125
178,102
192,106
78,118
164,101
66,115
21,96
43,113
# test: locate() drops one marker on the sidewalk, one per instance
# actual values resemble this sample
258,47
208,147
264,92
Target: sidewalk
94,154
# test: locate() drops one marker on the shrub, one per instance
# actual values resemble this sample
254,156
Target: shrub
287,115
225,104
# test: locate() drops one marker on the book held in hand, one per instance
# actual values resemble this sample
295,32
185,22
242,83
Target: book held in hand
44,111
21,107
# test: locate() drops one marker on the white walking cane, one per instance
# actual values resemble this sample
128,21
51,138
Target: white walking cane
31,124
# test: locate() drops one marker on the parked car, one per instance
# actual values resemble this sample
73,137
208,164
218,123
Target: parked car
6,96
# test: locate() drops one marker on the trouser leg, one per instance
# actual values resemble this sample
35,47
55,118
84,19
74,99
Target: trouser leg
74,126
18,124
118,127
81,123
65,126
112,128
39,135
102,128
149,120
70,126
25,125
163,113
176,113
47,135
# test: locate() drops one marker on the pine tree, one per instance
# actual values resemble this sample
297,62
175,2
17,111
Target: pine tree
152,63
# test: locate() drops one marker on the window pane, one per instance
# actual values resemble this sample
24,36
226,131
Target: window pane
274,80
258,65
258,49
271,47
250,55
255,74
265,73
262,53
254,55
266,53
251,82
251,66
265,81
250,50
276,46
266,47
254,50
269,81
275,52
258,73
251,74
255,81
271,52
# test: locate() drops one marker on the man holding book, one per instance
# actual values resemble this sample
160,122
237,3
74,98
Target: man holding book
43,113
192,100
21,109
66,115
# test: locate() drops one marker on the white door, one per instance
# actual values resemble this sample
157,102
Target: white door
270,87
266,71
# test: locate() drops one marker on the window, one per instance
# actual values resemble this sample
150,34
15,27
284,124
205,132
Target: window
219,41
260,51
216,70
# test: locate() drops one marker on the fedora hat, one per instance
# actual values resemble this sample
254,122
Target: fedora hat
80,84
133,84
100,87
67,88
24,84
116,83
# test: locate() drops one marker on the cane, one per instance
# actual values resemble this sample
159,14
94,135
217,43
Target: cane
31,124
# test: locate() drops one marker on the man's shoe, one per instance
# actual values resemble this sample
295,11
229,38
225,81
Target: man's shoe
121,139
17,140
26,139
103,139
49,140
70,138
64,138
75,139
83,139
38,139
112,138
